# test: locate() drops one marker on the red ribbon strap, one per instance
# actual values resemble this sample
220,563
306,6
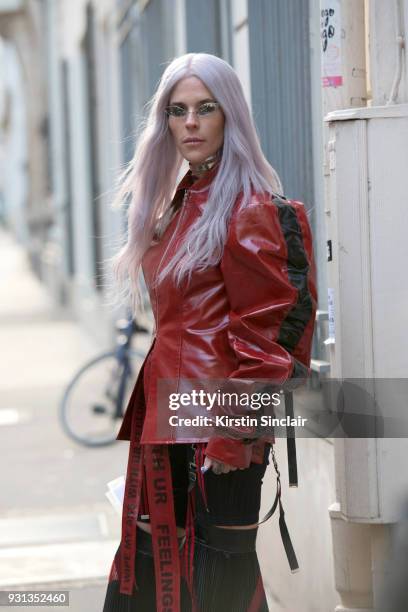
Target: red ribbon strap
164,531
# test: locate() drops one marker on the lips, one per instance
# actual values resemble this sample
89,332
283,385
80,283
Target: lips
187,140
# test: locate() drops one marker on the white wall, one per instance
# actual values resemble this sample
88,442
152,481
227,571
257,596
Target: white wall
311,589
385,23
70,24
240,44
13,141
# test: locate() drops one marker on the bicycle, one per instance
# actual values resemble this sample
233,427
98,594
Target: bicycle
93,404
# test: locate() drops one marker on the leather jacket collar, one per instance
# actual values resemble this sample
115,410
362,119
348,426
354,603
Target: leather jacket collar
190,182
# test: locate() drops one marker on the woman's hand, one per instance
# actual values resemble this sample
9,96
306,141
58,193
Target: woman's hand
218,467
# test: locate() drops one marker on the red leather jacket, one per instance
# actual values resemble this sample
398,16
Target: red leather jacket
249,317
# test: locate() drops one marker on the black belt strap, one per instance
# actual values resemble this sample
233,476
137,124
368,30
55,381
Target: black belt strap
291,441
226,540
287,542
192,468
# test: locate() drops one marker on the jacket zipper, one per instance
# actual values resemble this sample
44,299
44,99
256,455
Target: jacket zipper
185,198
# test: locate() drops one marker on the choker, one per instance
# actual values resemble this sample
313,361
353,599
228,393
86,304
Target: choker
206,165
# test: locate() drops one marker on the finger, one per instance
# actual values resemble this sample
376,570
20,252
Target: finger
216,468
228,468
207,463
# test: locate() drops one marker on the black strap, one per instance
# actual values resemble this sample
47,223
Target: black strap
192,468
226,540
291,441
287,542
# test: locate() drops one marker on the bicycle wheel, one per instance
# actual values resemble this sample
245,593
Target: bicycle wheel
91,409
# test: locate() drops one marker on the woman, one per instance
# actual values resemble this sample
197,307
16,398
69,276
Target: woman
230,273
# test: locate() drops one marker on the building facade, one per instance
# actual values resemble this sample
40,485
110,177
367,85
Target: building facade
96,64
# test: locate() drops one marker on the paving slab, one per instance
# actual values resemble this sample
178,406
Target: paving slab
52,528
51,563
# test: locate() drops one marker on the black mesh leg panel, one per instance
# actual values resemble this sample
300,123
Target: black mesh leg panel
227,581
145,598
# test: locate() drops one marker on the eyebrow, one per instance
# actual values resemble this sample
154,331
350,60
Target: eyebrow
200,102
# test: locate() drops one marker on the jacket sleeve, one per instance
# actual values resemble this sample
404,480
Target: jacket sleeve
269,274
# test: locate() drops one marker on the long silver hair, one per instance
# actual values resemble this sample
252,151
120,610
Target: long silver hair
148,183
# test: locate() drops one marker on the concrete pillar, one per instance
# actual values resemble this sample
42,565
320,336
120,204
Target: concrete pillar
21,24
359,546
362,146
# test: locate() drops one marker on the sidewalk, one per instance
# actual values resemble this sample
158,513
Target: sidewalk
56,526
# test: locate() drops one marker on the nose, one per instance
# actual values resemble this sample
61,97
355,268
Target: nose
191,118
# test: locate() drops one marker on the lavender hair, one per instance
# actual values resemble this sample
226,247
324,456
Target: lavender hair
149,181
